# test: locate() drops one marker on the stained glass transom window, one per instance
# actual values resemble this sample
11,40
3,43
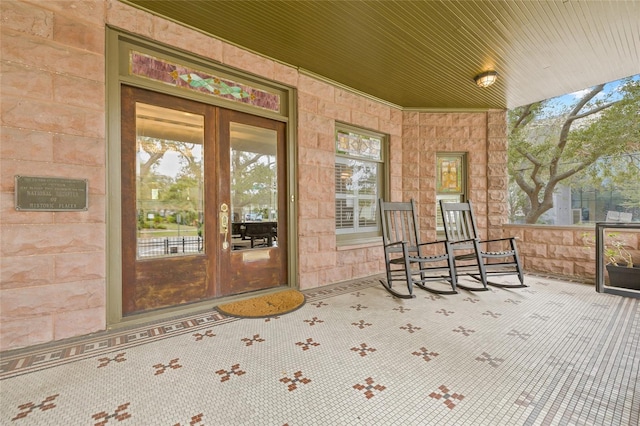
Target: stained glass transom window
184,77
358,145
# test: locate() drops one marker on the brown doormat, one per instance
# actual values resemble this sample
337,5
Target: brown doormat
264,306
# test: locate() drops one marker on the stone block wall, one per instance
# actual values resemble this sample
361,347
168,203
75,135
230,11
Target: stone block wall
482,135
320,106
415,138
562,250
52,112
53,266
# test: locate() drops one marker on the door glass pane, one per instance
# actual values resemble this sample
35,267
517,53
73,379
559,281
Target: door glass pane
169,182
254,189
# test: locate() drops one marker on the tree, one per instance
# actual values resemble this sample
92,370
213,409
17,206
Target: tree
598,137
252,180
175,189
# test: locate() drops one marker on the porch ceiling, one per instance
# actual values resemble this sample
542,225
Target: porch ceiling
424,54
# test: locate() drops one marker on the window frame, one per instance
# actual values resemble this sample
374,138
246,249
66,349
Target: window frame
458,195
346,238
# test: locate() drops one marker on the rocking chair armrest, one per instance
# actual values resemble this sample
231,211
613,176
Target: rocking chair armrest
453,243
499,239
432,242
395,243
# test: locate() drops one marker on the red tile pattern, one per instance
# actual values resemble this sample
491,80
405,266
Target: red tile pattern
313,321
369,387
447,397
106,360
410,328
161,368
295,381
307,344
417,363
363,350
226,374
119,414
29,407
250,341
200,336
464,331
361,324
194,421
425,354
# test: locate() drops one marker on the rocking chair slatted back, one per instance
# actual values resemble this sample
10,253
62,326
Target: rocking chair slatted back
399,225
497,256
459,222
402,252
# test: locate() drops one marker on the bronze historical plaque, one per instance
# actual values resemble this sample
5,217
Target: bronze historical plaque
35,193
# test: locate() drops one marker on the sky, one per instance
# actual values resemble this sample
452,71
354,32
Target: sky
558,103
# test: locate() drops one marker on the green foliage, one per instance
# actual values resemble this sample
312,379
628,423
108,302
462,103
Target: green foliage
152,224
176,194
615,249
593,142
252,174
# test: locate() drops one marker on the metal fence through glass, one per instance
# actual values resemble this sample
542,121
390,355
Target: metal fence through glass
151,247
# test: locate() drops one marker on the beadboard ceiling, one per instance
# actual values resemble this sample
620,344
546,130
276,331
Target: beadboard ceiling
424,54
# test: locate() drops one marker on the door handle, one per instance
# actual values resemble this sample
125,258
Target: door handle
223,217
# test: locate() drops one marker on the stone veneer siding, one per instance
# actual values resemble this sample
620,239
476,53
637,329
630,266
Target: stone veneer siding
53,265
561,250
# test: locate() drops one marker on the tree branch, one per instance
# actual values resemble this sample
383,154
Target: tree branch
593,111
566,127
526,113
571,172
529,157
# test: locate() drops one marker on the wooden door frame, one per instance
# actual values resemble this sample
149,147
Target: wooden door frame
204,273
193,272
229,258
118,45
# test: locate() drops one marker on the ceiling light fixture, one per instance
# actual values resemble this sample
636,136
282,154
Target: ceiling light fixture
486,78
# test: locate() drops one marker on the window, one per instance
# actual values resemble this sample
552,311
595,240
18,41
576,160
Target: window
360,181
450,182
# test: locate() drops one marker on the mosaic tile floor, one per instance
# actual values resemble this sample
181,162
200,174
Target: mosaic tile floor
555,353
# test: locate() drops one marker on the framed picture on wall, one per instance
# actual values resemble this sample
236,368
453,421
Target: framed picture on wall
450,173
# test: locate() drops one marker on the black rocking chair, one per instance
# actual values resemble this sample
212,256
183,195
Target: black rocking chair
478,258
405,256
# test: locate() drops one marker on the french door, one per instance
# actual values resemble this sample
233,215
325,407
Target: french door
203,202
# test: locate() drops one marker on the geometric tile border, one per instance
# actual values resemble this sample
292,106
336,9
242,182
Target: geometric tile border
11,366
23,361
14,363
